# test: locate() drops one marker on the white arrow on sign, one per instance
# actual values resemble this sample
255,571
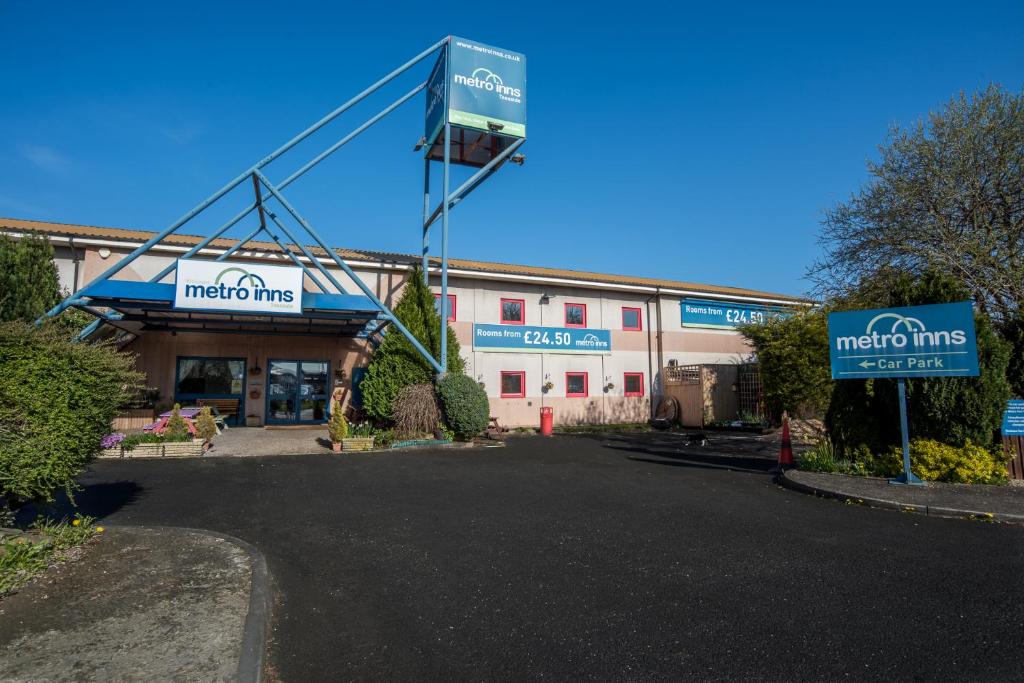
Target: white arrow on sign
867,364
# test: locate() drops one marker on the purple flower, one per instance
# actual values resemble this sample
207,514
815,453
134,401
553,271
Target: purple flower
112,440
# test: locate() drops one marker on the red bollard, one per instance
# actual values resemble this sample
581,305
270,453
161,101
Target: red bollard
547,419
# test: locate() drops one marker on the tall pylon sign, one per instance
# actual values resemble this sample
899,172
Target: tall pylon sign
475,116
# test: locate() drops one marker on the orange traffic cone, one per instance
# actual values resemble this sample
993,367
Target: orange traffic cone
786,451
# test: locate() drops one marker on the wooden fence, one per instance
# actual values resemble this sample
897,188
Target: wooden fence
1014,447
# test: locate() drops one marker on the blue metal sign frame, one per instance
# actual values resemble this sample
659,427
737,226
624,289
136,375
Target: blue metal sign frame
936,340
530,339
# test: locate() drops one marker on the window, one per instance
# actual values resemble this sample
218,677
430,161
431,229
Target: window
631,319
451,306
513,311
633,384
513,384
575,315
576,384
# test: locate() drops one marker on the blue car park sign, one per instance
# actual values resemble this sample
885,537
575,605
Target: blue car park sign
528,339
916,341
721,315
1013,418
913,341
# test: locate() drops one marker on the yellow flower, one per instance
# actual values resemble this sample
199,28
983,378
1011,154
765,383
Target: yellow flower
99,529
76,522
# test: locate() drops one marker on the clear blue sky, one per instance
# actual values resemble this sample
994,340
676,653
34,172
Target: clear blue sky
699,142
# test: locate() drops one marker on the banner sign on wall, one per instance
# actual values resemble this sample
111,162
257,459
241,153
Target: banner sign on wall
528,339
723,315
1013,418
914,341
486,90
213,285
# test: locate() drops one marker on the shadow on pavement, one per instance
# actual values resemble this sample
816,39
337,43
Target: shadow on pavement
96,500
737,453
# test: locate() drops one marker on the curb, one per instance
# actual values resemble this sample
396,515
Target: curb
883,503
257,621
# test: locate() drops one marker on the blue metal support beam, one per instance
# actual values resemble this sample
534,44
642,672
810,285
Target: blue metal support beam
444,246
426,214
305,251
348,271
240,243
473,182
199,208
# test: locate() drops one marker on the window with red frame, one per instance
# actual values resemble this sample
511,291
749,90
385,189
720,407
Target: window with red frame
576,384
513,311
451,306
633,384
513,384
575,315
631,319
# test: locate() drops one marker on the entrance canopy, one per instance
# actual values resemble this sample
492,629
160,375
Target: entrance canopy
150,306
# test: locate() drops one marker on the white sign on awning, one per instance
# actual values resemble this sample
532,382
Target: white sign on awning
218,286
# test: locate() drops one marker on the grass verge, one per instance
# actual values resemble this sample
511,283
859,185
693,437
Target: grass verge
24,555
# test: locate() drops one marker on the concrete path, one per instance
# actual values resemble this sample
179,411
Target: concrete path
141,604
245,441
997,503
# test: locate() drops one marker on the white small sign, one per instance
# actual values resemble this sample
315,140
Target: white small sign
215,285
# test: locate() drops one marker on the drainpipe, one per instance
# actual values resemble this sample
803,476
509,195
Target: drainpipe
75,261
650,364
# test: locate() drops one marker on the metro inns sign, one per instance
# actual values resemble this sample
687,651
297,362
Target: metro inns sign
213,285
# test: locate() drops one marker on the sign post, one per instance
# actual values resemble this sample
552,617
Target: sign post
913,341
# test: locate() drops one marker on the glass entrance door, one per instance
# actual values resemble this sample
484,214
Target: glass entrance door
297,392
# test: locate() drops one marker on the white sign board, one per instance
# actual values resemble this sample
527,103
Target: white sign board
218,286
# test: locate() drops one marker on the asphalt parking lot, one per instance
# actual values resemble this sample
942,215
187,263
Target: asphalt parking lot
589,558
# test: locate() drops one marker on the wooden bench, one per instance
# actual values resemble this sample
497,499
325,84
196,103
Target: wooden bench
225,407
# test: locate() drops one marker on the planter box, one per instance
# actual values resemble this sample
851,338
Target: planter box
357,443
181,449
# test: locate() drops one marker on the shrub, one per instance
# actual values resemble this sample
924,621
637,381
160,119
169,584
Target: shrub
415,410
820,458
934,461
205,425
337,426
466,408
176,426
57,401
396,363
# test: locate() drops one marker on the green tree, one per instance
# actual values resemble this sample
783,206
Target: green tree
792,356
57,400
29,285
946,195
396,363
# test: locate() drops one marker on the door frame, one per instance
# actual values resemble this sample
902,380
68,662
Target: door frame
298,407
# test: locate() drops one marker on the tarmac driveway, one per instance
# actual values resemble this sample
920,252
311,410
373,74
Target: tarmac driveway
589,558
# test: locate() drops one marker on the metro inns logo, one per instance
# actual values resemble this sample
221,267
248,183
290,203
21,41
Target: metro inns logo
248,286
905,330
485,79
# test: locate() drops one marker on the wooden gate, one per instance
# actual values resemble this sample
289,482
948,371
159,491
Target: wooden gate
683,383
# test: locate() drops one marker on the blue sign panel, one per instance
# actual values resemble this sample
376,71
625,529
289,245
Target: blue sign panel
487,88
436,99
915,341
723,315
528,339
1013,418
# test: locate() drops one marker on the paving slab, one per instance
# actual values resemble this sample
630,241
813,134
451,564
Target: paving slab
246,441
141,604
997,503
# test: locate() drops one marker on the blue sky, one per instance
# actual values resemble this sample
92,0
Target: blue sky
698,142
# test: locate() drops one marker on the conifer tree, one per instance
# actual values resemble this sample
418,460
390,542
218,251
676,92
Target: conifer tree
28,278
396,363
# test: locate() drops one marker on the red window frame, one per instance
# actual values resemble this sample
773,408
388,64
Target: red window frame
639,319
565,315
522,383
522,307
632,393
586,385
451,305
